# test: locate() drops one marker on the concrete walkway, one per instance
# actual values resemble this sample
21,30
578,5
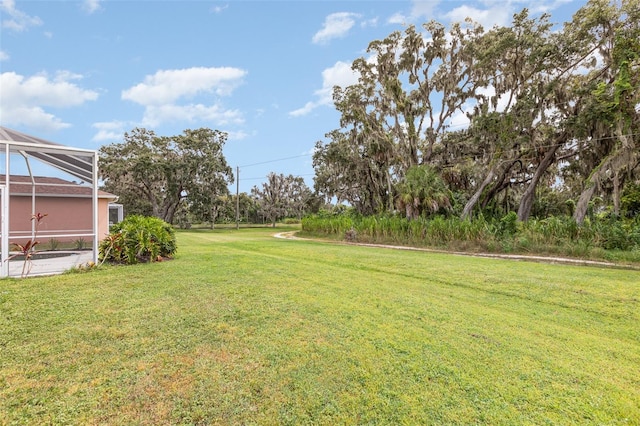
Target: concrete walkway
52,265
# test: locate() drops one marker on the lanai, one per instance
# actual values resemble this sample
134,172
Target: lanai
79,163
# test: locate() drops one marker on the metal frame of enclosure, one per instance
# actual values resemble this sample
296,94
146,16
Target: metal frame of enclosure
80,163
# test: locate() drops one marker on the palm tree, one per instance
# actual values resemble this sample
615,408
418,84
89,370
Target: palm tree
422,190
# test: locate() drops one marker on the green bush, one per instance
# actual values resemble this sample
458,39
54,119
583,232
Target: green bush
138,239
54,243
80,243
508,225
618,235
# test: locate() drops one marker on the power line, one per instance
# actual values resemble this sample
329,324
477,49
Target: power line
261,178
571,141
274,161
536,146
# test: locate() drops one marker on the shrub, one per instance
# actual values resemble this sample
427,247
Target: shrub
508,225
53,244
138,239
558,235
617,235
80,243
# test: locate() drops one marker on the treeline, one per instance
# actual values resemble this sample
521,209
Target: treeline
280,198
184,179
536,119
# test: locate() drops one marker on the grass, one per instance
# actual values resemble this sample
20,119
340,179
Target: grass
243,328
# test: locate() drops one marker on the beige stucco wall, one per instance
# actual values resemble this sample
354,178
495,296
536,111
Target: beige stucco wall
65,215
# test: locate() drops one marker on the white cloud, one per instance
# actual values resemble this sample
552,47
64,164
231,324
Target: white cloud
91,6
111,131
420,11
24,98
163,95
16,20
534,6
155,115
340,74
498,15
336,25
542,7
500,12
167,86
236,135
4,56
219,9
398,19
487,12
306,109
373,22
34,117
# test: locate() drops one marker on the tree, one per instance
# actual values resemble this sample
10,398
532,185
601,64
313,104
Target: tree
209,208
422,190
282,196
511,127
243,207
552,112
398,112
301,198
159,172
630,201
352,170
614,115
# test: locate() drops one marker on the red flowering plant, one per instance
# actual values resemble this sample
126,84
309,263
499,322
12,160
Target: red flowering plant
28,249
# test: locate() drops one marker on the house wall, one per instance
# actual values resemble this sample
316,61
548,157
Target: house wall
65,215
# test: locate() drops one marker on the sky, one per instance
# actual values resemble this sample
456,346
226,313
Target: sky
82,73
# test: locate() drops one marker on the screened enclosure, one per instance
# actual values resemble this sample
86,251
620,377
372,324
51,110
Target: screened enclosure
48,192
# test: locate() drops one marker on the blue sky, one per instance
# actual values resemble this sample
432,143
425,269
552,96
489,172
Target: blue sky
81,73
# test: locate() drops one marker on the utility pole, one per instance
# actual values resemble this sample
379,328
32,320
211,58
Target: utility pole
237,197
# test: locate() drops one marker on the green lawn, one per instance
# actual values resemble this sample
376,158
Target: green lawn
244,328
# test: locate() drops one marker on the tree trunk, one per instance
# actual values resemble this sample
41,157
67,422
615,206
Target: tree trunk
408,211
214,216
155,210
616,193
171,211
622,157
583,203
526,203
500,186
468,208
168,209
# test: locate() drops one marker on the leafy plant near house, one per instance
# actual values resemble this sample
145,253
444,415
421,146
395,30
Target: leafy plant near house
138,239
28,249
54,243
80,243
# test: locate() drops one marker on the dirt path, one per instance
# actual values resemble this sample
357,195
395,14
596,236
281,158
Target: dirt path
291,235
